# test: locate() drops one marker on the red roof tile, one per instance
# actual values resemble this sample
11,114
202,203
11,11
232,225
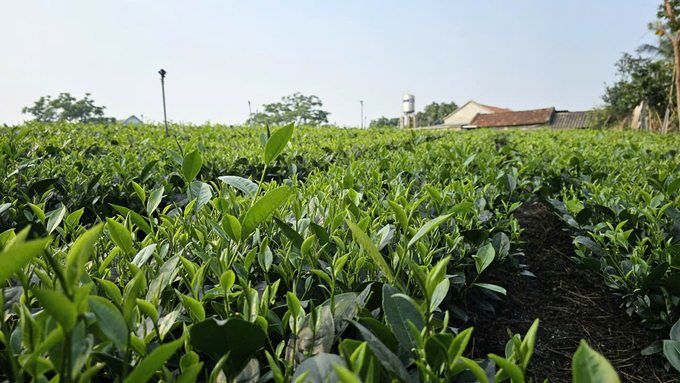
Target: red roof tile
525,117
495,109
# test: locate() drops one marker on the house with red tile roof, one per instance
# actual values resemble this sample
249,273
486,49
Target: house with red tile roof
464,115
546,117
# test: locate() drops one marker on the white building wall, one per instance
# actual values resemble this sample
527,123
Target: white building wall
466,113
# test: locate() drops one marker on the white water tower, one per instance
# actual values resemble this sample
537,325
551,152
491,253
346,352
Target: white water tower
408,116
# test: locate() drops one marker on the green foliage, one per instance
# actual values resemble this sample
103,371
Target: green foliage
384,122
67,108
296,108
434,113
640,79
350,257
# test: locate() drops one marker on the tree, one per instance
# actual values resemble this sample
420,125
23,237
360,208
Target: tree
295,108
640,79
668,25
663,49
434,113
384,122
68,109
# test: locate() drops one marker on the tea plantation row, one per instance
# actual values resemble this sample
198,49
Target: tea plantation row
304,254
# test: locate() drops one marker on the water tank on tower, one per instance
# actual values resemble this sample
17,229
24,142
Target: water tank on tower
409,101
408,117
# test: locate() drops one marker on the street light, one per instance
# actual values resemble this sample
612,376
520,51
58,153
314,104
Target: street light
362,114
162,72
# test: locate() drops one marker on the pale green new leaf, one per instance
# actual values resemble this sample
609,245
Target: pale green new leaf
59,306
591,367
154,200
80,253
18,255
428,227
120,235
277,142
263,208
154,361
191,165
55,219
372,251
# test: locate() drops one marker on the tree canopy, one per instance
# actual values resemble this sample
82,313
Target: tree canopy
297,107
434,113
640,79
384,122
68,109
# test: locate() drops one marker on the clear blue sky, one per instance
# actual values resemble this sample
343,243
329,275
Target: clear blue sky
519,54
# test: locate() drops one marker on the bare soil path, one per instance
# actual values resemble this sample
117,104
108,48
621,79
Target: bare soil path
572,304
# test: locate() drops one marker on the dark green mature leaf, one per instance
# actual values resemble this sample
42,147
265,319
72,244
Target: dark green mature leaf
237,337
319,368
154,361
201,192
428,227
243,184
398,313
590,245
263,208
387,358
675,331
277,142
654,277
671,349
484,257
591,367
289,232
110,321
19,254
672,213
191,165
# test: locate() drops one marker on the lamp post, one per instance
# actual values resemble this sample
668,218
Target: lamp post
362,114
162,72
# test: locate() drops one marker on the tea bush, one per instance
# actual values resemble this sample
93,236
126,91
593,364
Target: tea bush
306,254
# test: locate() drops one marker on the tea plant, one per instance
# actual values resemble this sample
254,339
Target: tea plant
288,256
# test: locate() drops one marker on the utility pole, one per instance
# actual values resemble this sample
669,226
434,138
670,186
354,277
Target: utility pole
250,113
162,72
362,113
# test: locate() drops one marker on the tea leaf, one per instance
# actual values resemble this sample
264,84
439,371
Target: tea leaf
263,208
591,367
277,142
428,227
191,165
370,249
110,321
149,365
243,184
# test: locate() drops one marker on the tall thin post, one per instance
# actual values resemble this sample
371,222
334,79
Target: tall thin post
250,113
362,114
162,72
